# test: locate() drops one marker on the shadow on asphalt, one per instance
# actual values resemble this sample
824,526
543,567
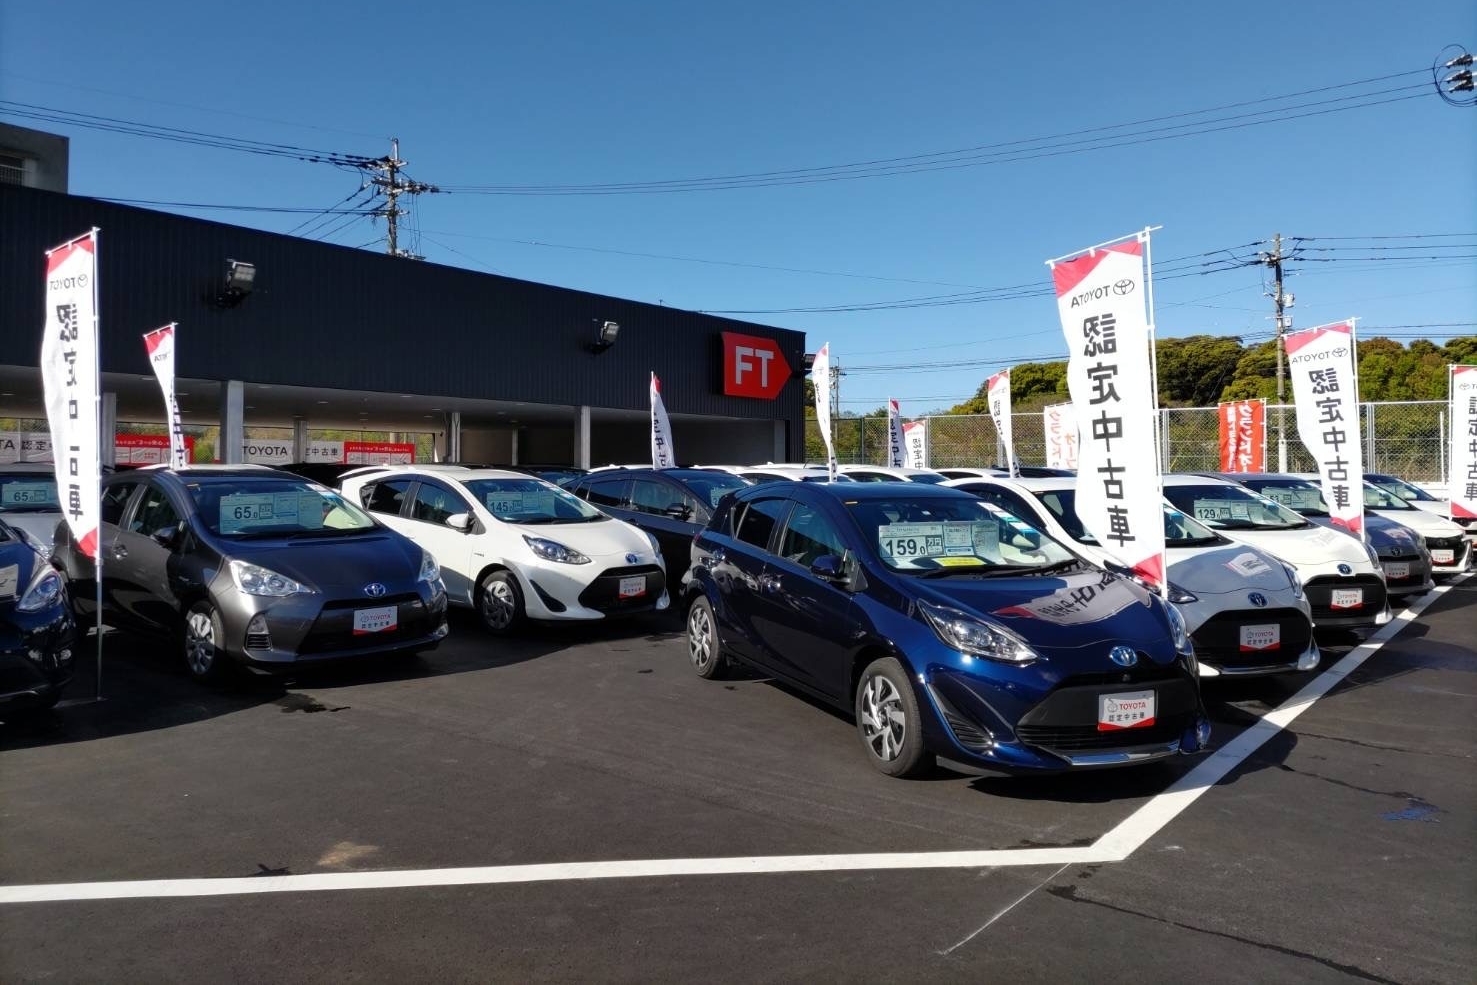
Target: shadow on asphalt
146,687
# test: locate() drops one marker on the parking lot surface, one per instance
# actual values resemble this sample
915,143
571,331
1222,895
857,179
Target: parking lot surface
1339,850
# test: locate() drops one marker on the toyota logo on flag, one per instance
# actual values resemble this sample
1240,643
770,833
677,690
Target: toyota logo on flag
1124,286
374,590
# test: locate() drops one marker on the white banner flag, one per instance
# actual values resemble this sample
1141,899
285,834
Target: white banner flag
160,344
820,378
1060,423
1325,392
998,390
662,455
894,434
1101,297
69,379
1463,476
915,437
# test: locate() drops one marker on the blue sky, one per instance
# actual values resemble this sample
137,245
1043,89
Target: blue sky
581,93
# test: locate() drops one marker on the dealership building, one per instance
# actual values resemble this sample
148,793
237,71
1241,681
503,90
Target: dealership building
290,337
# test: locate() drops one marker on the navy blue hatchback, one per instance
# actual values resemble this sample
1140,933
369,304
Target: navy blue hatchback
950,628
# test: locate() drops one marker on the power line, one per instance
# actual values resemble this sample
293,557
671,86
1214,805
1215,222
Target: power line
328,211
231,208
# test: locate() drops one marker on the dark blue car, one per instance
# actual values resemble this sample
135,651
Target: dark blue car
950,628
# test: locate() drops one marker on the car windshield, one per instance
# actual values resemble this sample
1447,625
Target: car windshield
531,501
28,492
1179,529
711,486
1376,498
1405,490
929,478
273,506
1298,495
1226,507
923,534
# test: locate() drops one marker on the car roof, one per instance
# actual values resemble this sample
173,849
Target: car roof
28,468
459,473
1046,484
866,491
1194,479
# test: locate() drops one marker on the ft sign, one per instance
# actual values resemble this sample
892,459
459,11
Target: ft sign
753,367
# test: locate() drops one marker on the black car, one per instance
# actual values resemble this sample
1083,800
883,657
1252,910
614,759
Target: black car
37,634
324,473
670,504
256,566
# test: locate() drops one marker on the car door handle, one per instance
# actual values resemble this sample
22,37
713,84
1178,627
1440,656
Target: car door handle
769,583
120,551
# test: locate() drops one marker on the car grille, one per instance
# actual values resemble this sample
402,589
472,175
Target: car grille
1066,721
603,594
1080,738
1218,640
1419,572
333,630
1457,545
1320,595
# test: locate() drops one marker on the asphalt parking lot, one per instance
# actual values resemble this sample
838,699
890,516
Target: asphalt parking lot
1341,849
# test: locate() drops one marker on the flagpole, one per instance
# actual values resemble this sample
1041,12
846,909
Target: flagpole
97,400
1147,240
1354,358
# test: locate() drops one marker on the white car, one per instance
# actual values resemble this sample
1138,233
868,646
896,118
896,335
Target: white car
1450,550
888,473
515,547
770,472
1245,610
972,473
1422,499
29,502
1341,574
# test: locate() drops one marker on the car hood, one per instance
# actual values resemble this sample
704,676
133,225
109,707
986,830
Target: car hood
20,557
42,526
337,565
1228,568
1067,611
1383,534
1313,547
601,539
1424,523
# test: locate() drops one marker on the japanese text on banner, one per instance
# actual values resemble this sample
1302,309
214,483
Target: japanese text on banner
1463,442
1325,390
662,454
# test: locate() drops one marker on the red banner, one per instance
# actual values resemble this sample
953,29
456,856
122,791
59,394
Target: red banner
147,449
1243,435
378,453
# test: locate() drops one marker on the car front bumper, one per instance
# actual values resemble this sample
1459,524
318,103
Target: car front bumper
584,592
37,655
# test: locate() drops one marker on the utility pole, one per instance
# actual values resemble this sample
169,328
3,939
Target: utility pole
1281,301
389,179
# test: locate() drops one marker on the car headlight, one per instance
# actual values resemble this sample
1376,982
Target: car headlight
44,590
975,637
1177,631
656,548
1180,596
430,570
1297,583
253,579
1374,557
552,550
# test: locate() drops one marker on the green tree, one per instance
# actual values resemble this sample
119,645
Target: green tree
1193,371
1255,375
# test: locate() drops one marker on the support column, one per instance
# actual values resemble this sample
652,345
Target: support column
229,447
582,436
513,448
454,436
299,439
108,429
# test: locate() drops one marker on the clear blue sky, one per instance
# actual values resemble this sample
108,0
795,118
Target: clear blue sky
590,92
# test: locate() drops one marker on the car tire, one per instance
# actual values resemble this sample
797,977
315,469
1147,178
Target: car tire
887,719
499,602
204,643
702,641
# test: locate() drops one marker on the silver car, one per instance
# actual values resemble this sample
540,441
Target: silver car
249,565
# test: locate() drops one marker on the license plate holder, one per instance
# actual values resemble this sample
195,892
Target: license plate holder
380,619
1397,569
632,587
1260,636
1126,710
1443,555
1346,598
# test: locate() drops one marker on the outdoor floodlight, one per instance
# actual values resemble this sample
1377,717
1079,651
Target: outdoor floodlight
240,279
605,338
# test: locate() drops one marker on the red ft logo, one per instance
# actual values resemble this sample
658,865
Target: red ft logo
753,367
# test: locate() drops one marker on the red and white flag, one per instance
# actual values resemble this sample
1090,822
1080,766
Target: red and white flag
160,344
1101,297
69,366
915,438
1060,424
997,389
1325,393
662,454
894,434
1243,435
1463,492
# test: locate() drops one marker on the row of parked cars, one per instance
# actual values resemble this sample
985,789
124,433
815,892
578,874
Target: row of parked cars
969,618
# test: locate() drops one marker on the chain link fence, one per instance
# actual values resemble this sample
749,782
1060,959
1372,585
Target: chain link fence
1406,438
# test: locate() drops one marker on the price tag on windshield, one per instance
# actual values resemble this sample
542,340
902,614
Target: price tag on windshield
907,541
241,512
29,494
527,502
1222,509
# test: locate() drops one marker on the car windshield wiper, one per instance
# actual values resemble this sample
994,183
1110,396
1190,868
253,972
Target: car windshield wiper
28,508
1192,541
997,570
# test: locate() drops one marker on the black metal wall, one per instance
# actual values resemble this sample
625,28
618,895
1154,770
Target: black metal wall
331,316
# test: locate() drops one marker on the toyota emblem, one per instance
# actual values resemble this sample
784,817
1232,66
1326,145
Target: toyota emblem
633,558
1344,569
374,590
1124,286
1257,599
1123,656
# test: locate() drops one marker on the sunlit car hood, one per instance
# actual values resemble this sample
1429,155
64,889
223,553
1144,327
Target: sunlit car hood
1311,546
1424,523
1065,611
1218,570
1383,534
344,563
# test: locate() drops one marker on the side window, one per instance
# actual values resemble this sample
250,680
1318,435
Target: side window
580,488
155,512
115,498
759,520
433,504
609,491
869,476
653,496
809,535
1007,501
385,497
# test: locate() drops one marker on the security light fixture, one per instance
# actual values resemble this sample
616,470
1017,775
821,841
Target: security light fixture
240,280
606,336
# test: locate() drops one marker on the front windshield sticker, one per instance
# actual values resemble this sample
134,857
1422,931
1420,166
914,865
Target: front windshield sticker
302,510
10,580
1222,509
1248,564
29,494
1296,498
910,541
527,502
1075,605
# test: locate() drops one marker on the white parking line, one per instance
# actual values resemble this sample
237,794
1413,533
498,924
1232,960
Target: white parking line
1115,846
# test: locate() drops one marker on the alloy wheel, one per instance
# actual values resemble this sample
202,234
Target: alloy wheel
498,604
700,637
884,721
200,643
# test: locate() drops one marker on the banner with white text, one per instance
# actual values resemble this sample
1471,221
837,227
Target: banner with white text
894,434
820,378
662,455
997,388
1101,298
1059,421
1243,435
1325,394
1463,473
160,346
69,368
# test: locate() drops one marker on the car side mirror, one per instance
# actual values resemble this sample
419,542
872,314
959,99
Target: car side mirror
460,521
829,567
168,537
678,511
